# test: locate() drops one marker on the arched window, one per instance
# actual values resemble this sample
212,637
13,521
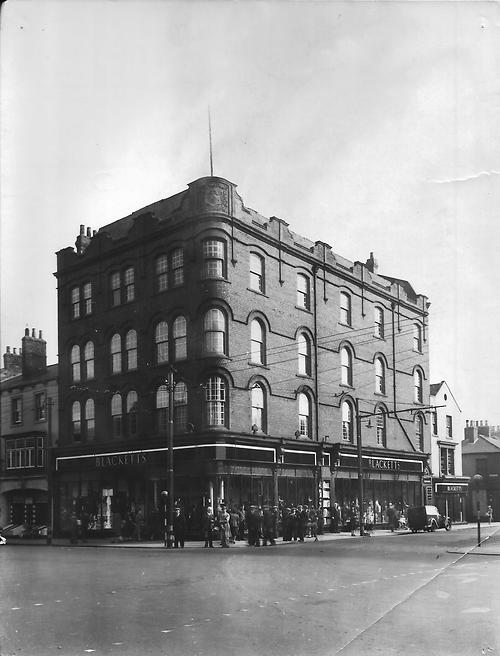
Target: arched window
379,376
379,323
303,292
418,386
161,270
76,421
419,431
179,333
75,364
116,414
215,401
131,349
90,419
381,426
346,366
116,354
258,347
89,360
215,331
417,338
180,407
162,408
131,406
256,272
304,415
345,309
214,258
347,422
258,408
161,342
304,354
129,284
177,262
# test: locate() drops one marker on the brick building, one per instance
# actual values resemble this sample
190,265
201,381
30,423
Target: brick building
28,416
277,342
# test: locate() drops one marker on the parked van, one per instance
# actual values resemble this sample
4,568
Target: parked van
427,518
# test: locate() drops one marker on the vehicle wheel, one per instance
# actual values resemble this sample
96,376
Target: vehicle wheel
447,525
433,527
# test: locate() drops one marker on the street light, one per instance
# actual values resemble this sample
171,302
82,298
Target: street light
164,496
169,492
476,483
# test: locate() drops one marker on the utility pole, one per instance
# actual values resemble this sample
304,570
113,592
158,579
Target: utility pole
170,462
48,470
360,471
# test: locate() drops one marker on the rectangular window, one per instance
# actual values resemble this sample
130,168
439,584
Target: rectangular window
129,285
256,272
434,423
75,302
449,426
25,453
447,461
214,256
177,263
345,309
115,289
303,297
40,406
17,411
87,298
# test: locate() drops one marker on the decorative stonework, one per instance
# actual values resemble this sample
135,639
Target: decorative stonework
213,196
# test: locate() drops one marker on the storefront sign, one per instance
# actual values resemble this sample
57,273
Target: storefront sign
395,465
450,488
121,459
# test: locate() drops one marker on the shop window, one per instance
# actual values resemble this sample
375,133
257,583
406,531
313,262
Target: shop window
116,354
304,354
131,406
76,422
215,331
379,376
131,349
75,364
258,345
346,366
179,332
345,309
214,258
161,342
215,401
89,360
347,421
303,292
305,424
116,415
16,411
40,406
379,323
90,419
258,408
256,272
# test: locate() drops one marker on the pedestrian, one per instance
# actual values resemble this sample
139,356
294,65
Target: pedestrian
207,524
234,523
353,518
179,528
336,518
139,525
313,523
392,517
489,513
224,528
302,518
269,525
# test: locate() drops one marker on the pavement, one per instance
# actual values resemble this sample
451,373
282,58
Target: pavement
490,542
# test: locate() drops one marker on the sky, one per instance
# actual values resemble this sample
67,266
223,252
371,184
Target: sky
372,126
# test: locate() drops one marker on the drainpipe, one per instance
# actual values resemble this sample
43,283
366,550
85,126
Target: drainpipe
394,378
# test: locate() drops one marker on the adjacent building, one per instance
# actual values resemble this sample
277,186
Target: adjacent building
481,455
265,346
449,487
29,420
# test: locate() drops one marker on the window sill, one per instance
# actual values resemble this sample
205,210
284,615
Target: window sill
345,325
257,291
303,309
308,376
258,364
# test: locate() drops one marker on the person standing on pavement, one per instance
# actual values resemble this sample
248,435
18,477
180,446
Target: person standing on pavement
269,526
489,513
179,528
225,530
392,517
353,518
207,524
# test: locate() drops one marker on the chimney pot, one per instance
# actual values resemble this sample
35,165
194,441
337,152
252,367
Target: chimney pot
27,332
33,332
39,334
82,229
14,350
89,232
8,349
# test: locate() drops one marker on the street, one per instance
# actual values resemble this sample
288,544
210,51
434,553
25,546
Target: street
390,594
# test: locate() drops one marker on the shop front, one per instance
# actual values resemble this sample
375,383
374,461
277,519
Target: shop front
386,480
450,497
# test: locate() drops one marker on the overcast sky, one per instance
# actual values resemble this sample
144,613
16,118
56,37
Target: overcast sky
371,126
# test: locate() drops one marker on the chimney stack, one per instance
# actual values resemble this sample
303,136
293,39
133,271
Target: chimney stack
83,240
372,264
34,354
12,361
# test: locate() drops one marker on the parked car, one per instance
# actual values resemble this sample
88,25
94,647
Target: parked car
427,518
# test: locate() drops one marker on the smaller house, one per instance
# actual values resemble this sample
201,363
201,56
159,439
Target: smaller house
449,486
481,455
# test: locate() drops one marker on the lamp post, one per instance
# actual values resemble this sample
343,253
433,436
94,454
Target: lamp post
48,469
164,496
360,470
169,526
476,483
